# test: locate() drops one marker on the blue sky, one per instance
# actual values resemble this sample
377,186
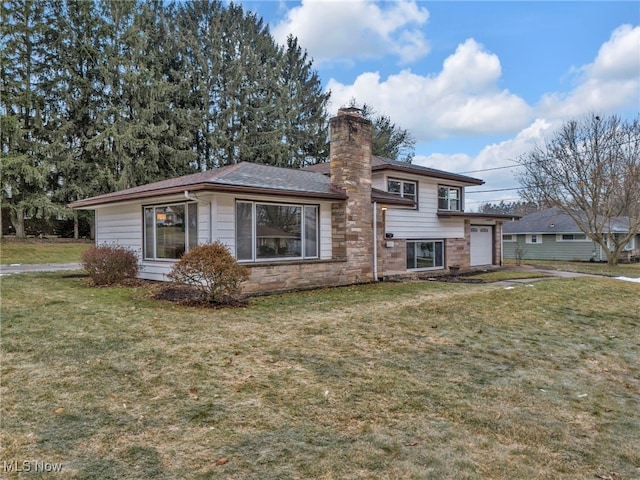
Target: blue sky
477,83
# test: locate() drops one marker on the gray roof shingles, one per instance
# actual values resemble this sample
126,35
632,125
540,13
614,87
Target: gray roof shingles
554,220
244,175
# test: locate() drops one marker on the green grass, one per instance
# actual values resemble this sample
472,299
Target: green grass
385,381
631,270
34,251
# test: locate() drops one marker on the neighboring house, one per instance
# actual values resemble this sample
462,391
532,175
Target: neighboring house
552,235
354,219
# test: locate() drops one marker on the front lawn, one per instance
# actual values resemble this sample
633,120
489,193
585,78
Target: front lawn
34,251
386,381
631,270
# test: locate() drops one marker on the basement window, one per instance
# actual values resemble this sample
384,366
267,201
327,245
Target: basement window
425,254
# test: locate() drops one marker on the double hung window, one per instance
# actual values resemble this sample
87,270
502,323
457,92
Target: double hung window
404,188
449,198
270,231
170,230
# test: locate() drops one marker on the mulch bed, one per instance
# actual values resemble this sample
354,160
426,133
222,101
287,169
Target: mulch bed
191,297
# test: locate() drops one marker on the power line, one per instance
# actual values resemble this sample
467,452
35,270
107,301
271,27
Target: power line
495,190
488,169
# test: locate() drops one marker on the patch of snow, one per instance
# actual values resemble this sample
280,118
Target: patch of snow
628,279
509,288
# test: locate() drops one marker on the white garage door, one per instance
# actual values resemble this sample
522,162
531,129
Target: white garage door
481,245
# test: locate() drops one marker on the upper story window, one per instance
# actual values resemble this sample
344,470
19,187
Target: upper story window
509,238
449,198
404,188
170,230
266,231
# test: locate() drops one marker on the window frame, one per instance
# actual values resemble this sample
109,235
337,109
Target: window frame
560,237
532,239
438,265
402,193
449,189
513,237
304,209
189,242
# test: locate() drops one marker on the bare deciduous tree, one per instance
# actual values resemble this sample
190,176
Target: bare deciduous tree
591,170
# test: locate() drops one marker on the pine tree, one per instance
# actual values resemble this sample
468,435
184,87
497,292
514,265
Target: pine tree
24,113
76,95
389,140
304,113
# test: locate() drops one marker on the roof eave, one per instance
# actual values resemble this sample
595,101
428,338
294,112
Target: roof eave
96,201
471,215
432,174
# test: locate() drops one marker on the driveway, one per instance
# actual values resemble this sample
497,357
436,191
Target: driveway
49,267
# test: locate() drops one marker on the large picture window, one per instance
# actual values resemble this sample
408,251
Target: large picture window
269,231
170,230
424,254
449,198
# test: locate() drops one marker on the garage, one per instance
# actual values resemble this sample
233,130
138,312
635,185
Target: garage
481,245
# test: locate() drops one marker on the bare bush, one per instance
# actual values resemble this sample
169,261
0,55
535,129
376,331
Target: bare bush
212,270
110,264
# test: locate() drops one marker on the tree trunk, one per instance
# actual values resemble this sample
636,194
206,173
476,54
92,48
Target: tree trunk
17,220
76,225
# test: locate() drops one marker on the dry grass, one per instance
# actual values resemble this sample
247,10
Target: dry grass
418,380
34,251
631,270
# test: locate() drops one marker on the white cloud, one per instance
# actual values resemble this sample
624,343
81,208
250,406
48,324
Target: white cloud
500,155
463,99
611,82
343,30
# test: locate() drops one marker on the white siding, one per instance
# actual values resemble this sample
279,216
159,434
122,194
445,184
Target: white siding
325,231
422,222
120,225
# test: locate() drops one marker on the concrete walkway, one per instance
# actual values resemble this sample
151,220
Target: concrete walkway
49,267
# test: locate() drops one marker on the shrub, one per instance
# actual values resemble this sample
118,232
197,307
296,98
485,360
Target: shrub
212,270
110,264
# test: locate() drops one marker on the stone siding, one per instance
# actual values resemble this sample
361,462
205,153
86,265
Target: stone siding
350,169
458,250
282,277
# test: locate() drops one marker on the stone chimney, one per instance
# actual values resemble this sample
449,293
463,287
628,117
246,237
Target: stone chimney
351,172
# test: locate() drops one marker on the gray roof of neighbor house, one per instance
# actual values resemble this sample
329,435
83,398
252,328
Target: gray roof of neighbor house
242,177
554,220
381,163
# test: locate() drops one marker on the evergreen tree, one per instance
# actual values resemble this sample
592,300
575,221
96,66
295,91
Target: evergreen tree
76,95
23,112
304,109
389,140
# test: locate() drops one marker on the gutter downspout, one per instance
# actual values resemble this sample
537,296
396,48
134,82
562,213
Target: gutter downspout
375,241
197,200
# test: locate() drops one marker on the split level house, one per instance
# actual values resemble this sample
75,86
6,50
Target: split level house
551,234
357,218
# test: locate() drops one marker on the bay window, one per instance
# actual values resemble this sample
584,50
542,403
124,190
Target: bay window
170,230
276,231
425,254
